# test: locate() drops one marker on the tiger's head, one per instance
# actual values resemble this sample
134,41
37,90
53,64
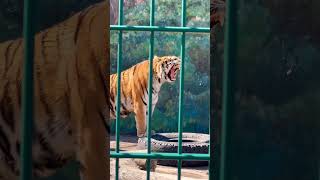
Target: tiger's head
167,68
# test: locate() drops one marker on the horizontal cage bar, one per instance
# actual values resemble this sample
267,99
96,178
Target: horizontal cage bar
160,156
159,28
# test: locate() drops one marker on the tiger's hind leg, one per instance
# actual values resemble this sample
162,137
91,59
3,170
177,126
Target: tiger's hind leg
93,153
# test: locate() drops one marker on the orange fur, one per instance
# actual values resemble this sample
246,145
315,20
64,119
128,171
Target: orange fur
217,12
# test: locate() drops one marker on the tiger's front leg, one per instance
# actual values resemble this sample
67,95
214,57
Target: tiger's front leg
140,110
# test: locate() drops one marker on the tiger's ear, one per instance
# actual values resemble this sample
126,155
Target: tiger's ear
156,58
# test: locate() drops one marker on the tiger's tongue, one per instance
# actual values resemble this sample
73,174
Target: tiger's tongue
172,73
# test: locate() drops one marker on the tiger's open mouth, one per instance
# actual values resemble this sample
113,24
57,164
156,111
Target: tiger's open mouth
173,73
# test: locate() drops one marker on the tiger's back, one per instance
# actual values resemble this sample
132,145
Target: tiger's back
133,84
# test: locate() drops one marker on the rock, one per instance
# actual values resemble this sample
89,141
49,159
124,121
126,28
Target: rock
142,164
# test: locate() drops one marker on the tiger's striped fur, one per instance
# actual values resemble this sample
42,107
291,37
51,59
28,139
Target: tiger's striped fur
71,97
134,88
217,12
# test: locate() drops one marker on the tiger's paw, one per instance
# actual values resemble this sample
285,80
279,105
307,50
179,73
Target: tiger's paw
141,135
144,135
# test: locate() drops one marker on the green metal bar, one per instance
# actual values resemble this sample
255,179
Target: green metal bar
212,124
211,146
318,169
151,45
213,143
161,156
228,107
120,22
27,94
118,101
181,91
159,28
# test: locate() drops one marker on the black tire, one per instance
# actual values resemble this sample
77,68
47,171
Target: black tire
168,143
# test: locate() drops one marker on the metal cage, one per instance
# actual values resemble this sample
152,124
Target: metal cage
152,28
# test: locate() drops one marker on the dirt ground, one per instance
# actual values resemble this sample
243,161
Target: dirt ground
129,170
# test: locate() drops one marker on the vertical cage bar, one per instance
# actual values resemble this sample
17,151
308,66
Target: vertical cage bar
228,90
212,123
318,169
213,143
181,90
27,94
119,63
151,48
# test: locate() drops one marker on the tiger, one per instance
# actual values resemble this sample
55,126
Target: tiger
134,88
71,61
217,12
